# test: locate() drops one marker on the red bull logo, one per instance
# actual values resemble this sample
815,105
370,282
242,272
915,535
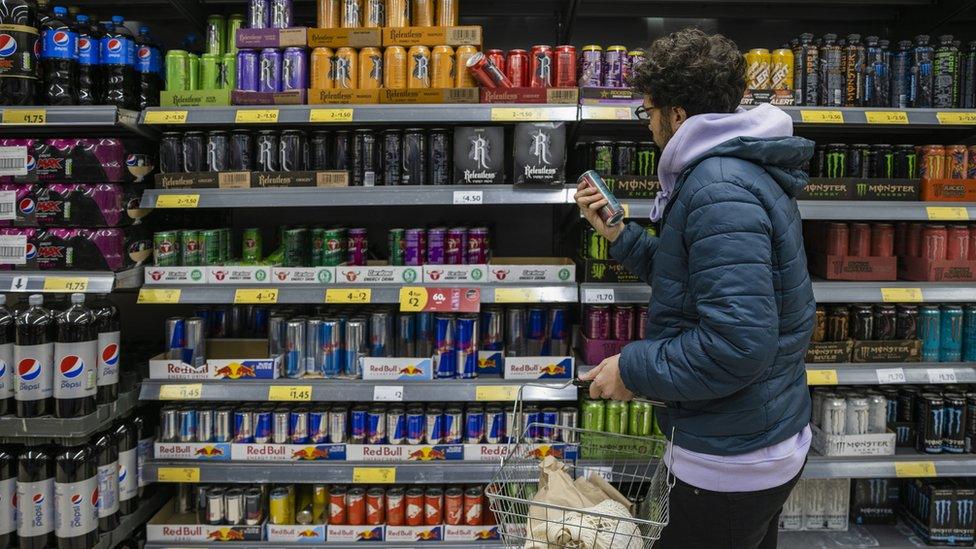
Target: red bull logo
411,370
487,534
427,453
429,535
311,453
235,370
373,534
226,534
209,451
553,370
544,450
307,534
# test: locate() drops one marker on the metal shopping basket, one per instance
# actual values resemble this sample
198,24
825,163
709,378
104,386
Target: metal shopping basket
633,465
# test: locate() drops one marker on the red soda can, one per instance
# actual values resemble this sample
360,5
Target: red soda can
957,242
838,235
517,68
474,505
337,505
641,321
956,165
565,67
453,506
971,166
396,507
486,73
901,234
860,242
934,244
540,66
623,322
433,506
972,242
489,517
913,240
356,506
883,240
932,165
596,322
497,58
375,506
415,507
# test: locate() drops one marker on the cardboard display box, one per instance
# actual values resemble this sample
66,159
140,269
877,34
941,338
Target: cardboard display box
940,511
909,350
949,190
271,38
339,96
397,369
633,186
247,180
195,98
169,527
780,98
937,270
226,359
291,97
345,38
873,444
475,274
842,267
554,96
855,188
521,270
223,451
874,500
296,533
539,367
595,350
824,352
432,36
611,97
606,270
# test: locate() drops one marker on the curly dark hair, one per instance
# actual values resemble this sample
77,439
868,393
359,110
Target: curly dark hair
699,72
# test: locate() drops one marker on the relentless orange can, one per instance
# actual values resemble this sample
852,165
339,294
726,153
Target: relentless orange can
328,13
397,13
442,67
345,69
447,13
321,67
351,14
423,13
418,67
374,13
370,69
462,78
395,68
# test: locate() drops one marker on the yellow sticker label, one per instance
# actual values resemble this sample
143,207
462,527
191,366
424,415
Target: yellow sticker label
65,284
150,296
886,117
915,469
165,117
822,117
626,208
178,474
374,475
352,295
945,213
24,116
964,117
177,201
518,295
821,377
520,114
256,116
187,391
496,393
256,296
901,295
330,115
609,113
413,299
290,392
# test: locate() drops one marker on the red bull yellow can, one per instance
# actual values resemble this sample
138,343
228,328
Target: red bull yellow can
418,68
395,68
370,69
442,67
321,64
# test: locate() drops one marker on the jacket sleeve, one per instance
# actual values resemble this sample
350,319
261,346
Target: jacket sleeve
728,235
634,249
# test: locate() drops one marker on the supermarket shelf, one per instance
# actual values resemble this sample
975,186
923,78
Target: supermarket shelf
367,196
591,292
330,545
131,522
840,209
823,291
918,372
96,282
332,390
14,429
946,465
875,536
78,118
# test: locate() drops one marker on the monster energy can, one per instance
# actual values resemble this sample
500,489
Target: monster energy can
251,245
641,419
602,157
647,156
954,424
883,157
594,414
616,417
835,160
595,246
905,162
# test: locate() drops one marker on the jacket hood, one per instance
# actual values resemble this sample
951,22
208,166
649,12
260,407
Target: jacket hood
763,135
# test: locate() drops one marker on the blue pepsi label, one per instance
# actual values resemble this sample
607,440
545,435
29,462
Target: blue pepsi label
88,50
144,59
131,51
115,51
59,44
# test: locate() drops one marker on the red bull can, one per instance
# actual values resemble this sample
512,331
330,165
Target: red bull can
445,358
396,425
337,425
535,333
466,345
223,418
358,420
434,426
425,334
531,417
495,425
376,425
474,425
262,426
175,337
330,348
243,427
298,426
380,334
568,416
515,331
451,425
549,417
187,425
513,426
169,425
281,419
294,360
558,335
492,337
204,425
318,427
416,425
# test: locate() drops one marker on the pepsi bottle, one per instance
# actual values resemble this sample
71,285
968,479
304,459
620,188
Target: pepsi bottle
75,498
8,491
118,59
59,57
127,441
18,75
75,366
7,336
88,62
149,62
144,448
107,462
34,359
35,498
109,347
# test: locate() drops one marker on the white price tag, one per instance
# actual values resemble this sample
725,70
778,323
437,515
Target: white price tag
13,250
388,393
18,284
469,197
8,205
13,161
603,472
891,375
941,375
598,297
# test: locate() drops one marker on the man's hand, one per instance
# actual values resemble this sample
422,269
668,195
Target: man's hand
606,380
590,201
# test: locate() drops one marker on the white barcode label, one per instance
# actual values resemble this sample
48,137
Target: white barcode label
891,375
369,179
388,393
606,473
13,249
13,161
8,205
596,297
469,197
463,35
941,375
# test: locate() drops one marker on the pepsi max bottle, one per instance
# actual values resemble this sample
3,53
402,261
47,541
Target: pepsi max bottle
75,498
18,75
118,60
107,326
107,458
34,358
149,63
59,57
7,336
35,498
127,441
75,366
8,491
88,62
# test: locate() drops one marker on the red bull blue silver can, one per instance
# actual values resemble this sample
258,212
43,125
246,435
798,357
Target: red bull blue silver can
513,426
494,425
466,345
281,418
396,425
187,425
434,425
358,420
416,425
549,417
445,357
376,425
330,348
515,321
205,425
338,418
243,427
318,427
451,425
175,337
380,334
535,333
474,425
425,334
223,418
298,426
169,425
613,212
492,337
568,416
262,426
558,334
530,420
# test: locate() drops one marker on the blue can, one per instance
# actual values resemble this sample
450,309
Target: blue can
425,334
243,427
318,427
530,420
434,425
298,426
928,332
474,425
376,425
452,425
549,418
466,345
294,360
396,425
257,321
495,425
950,334
492,330
217,322
269,70
558,342
187,425
247,69
445,359
207,315
358,420
330,352
175,337
416,425
262,426
969,334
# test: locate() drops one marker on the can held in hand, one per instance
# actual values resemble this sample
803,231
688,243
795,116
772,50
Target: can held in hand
612,213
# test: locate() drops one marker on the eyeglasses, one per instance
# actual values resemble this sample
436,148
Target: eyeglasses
642,113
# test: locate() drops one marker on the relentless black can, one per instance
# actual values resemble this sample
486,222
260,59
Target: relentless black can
862,323
193,144
954,423
341,150
931,420
624,158
967,74
439,163
906,322
392,157
907,397
319,153
240,153
414,157
364,159
171,153
885,322
602,157
291,151
267,151
647,157
856,165
217,151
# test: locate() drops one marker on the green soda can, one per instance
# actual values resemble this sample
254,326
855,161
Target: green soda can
641,419
209,71
228,72
396,241
657,426
335,248
296,248
234,22
216,34
210,247
225,246
177,70
594,412
194,71
166,249
616,421
251,245
190,247
318,246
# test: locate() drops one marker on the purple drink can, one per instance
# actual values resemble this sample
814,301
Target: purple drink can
474,425
358,419
596,321
356,247
396,425
416,425
492,330
451,426
258,14
641,321
434,425
494,425
477,248
318,427
591,66
243,427
269,71
558,334
466,345
262,426
613,66
414,250
298,426
247,70
435,245
376,425
456,244
294,69
445,359
280,16
623,322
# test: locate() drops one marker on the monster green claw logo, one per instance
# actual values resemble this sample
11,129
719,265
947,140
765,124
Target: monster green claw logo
836,164
598,270
862,189
647,162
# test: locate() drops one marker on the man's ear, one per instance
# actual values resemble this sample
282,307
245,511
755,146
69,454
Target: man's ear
678,117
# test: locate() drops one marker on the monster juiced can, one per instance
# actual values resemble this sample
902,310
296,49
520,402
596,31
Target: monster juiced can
612,213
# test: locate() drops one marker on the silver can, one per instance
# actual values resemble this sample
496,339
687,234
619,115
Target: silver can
313,343
337,424
515,331
276,334
223,431
295,338
215,506
169,425
857,417
816,398
877,412
834,415
205,425
234,506
612,213
196,341
356,349
568,417
279,426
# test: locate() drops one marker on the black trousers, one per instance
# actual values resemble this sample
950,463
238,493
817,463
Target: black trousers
702,519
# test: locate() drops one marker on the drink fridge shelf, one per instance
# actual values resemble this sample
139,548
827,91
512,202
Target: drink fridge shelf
330,545
95,282
68,430
845,210
823,291
88,119
133,521
899,536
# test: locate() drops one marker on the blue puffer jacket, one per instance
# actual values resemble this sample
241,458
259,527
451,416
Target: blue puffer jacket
732,307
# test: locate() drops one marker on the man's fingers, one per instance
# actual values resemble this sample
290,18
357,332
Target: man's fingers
595,390
599,203
592,373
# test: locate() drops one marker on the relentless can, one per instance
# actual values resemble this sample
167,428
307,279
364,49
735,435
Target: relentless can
440,155
423,13
418,67
395,68
345,67
294,72
462,77
641,420
486,73
414,151
541,67
442,67
269,76
564,58
370,68
351,14
322,73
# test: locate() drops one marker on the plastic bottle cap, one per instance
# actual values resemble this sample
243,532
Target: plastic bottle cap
77,298
35,300
81,18
60,10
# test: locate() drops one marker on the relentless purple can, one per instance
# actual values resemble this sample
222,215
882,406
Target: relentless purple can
591,66
466,344
614,60
356,247
247,70
456,244
269,75
641,321
258,14
435,245
477,248
623,322
445,359
414,247
280,16
294,72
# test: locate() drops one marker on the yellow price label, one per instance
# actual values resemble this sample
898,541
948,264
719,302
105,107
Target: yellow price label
256,116
290,392
523,114
165,117
188,391
947,213
156,297
353,295
65,284
24,116
518,295
413,299
626,208
821,377
901,295
822,117
886,117
330,115
177,201
255,296
965,117
915,469
374,475
178,474
609,113
495,393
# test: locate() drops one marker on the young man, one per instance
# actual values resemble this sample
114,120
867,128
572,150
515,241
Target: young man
732,307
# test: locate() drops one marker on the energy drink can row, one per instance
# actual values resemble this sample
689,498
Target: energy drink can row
186,340
636,418
838,160
439,246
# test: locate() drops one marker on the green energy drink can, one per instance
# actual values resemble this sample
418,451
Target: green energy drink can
226,253
318,246
603,157
397,244
641,419
296,247
210,247
228,71
190,247
595,246
616,421
835,160
216,35
166,249
657,426
251,245
193,68
594,412
177,70
335,248
234,22
647,157
210,71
